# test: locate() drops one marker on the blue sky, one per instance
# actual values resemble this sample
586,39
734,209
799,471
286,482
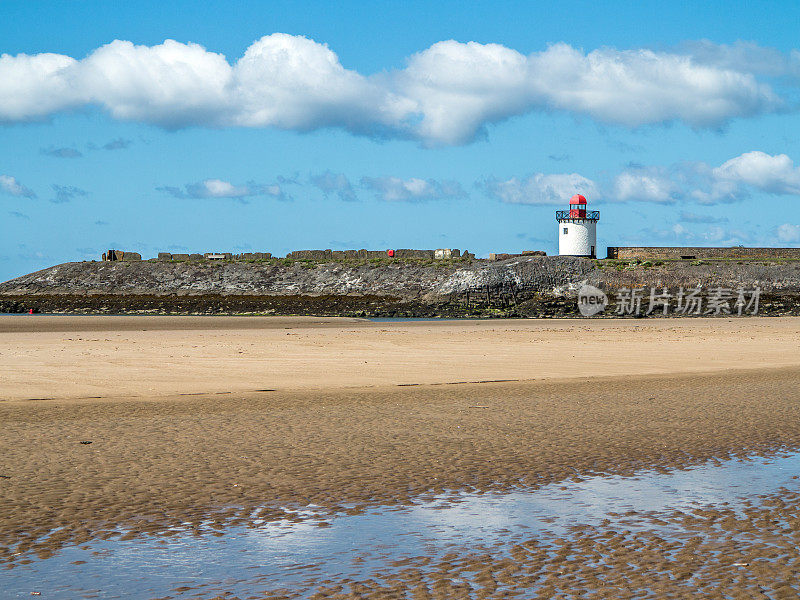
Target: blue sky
255,126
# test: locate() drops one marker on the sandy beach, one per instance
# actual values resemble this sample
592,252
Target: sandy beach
146,425
70,357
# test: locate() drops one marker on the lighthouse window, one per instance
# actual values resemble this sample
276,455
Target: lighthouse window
565,230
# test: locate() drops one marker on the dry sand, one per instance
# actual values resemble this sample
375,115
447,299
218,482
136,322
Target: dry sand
181,435
88,357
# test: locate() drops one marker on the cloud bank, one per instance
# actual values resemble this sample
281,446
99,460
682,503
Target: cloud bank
395,189
733,180
218,188
540,188
692,182
445,95
697,182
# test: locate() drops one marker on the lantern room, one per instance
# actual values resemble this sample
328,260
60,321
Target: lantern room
577,206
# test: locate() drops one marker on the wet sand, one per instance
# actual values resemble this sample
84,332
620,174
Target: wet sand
196,447
684,533
714,553
162,463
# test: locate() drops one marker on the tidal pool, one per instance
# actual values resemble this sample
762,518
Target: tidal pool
246,560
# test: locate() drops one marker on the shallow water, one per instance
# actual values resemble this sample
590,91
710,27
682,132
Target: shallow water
247,559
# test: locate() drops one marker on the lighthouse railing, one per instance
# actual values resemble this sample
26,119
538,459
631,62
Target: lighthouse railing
591,215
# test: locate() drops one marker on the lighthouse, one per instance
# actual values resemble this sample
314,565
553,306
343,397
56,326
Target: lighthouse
577,229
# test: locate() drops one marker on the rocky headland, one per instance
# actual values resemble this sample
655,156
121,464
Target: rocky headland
528,286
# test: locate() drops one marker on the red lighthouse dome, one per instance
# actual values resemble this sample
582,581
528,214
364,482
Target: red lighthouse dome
577,207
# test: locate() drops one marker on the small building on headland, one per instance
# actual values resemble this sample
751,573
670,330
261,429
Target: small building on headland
443,253
115,255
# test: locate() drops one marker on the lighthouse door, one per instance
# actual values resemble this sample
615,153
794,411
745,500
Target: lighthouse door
592,251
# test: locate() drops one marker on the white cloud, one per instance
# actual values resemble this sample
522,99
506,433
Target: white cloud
34,87
10,185
700,182
395,189
540,188
644,185
170,84
638,87
774,174
446,94
455,89
789,233
218,188
736,178
292,82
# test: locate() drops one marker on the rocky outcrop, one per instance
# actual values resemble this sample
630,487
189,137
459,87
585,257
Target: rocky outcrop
526,285
398,279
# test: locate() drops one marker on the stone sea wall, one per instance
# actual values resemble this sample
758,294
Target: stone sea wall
693,252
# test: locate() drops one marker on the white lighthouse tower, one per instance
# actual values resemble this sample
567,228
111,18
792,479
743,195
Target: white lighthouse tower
577,229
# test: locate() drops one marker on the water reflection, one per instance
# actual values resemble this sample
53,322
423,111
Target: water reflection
247,559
